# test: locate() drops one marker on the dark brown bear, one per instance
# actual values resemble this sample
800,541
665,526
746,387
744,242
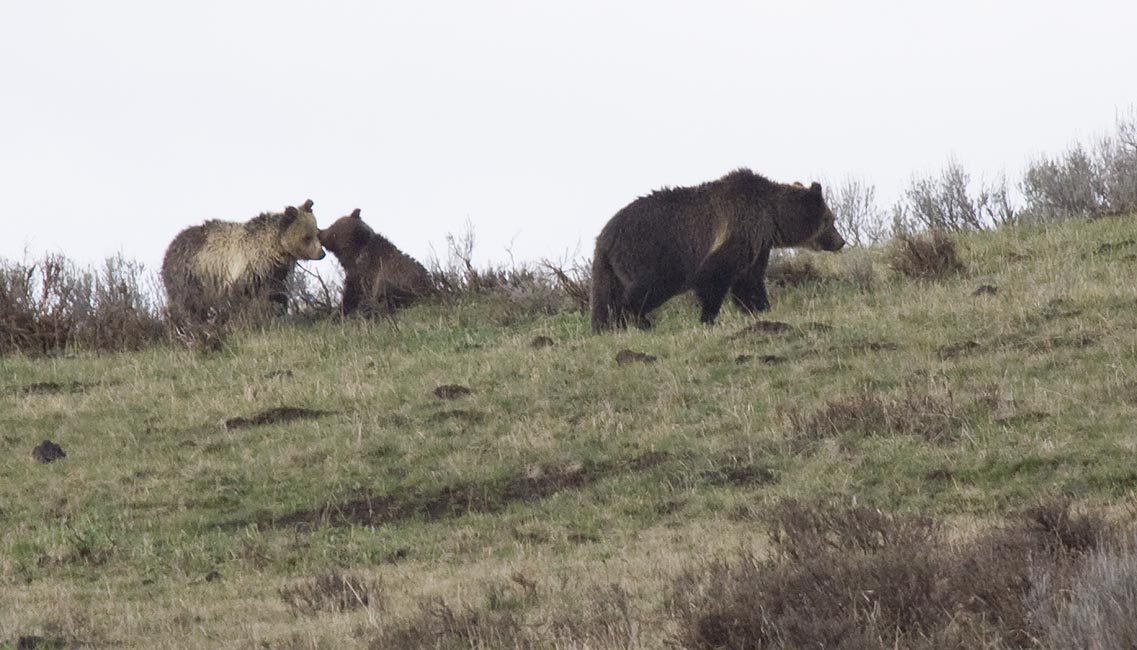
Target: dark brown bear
378,277
212,269
714,238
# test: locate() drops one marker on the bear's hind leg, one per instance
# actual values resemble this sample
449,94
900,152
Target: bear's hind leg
710,298
641,299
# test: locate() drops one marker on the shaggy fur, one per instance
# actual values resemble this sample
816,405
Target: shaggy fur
212,269
378,277
714,238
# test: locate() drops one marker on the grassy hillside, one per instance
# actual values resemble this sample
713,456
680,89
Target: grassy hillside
561,500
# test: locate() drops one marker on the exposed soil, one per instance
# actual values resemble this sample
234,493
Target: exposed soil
624,357
274,415
451,391
488,496
740,475
52,388
985,290
48,452
778,327
768,359
462,415
1113,247
541,342
958,349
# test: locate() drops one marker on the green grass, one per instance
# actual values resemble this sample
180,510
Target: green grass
562,475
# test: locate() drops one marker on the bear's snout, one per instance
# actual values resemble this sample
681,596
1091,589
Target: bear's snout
827,240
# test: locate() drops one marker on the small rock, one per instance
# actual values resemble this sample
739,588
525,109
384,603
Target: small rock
451,391
624,357
48,452
986,290
213,576
541,342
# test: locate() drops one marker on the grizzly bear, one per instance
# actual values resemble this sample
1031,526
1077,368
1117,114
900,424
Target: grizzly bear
378,277
211,270
714,238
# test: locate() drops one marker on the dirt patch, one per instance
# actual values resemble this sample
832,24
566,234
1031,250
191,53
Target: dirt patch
48,452
1043,344
274,415
451,391
985,290
765,327
461,415
540,342
861,346
778,327
646,461
958,349
535,483
739,475
52,388
1113,247
624,357
450,501
939,474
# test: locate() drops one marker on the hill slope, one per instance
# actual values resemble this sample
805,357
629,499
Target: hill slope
565,493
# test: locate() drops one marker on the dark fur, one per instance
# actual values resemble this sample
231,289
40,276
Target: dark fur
211,270
714,238
378,277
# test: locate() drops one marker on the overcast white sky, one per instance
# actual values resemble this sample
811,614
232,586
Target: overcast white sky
123,122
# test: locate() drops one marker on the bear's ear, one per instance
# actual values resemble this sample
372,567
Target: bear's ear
355,214
307,207
815,188
291,212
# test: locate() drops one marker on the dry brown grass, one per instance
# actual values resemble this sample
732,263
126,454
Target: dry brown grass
854,577
333,592
933,417
930,256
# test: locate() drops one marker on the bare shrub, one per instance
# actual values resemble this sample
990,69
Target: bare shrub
332,592
51,304
859,219
854,577
1086,182
311,297
946,203
605,619
441,625
930,256
511,292
576,282
1097,609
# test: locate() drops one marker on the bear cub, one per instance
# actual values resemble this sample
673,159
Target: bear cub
378,277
